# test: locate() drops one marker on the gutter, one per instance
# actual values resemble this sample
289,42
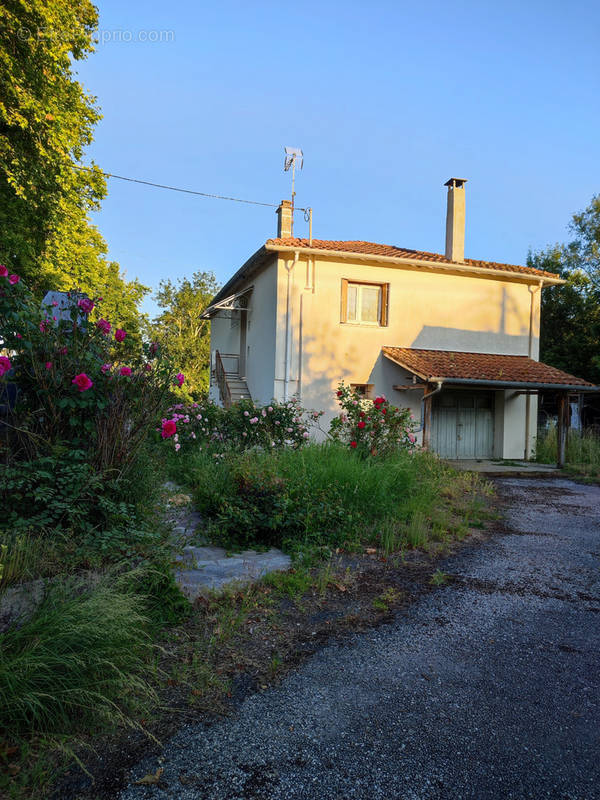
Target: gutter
440,383
565,387
532,291
288,330
418,262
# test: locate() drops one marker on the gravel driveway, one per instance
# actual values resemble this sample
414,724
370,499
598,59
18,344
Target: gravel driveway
485,688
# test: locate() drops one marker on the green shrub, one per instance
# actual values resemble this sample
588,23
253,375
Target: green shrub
243,426
163,601
319,495
82,656
372,427
79,385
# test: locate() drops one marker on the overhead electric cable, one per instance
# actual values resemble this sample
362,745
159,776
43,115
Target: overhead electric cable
185,191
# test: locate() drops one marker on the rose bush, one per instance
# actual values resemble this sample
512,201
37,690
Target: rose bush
372,427
71,385
241,427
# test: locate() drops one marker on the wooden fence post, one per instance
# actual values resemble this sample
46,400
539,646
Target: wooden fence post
562,429
427,418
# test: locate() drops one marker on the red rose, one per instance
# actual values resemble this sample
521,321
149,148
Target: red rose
339,394
353,444
362,414
86,305
120,335
82,382
13,279
169,427
126,371
384,410
104,326
361,424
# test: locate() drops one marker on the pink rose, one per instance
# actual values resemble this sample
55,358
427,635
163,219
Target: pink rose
120,335
126,371
44,325
82,382
14,279
104,326
63,351
5,365
86,305
180,378
3,271
48,365
177,446
169,428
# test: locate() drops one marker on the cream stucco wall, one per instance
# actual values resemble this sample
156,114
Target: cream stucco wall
427,309
261,318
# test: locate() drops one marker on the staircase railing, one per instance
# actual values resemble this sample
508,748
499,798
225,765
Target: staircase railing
221,377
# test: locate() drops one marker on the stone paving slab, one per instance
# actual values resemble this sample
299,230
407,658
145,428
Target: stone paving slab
205,569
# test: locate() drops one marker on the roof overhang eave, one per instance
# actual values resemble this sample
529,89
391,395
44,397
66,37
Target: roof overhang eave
551,387
245,271
418,262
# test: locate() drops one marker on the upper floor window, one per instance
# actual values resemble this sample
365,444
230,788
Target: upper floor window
364,303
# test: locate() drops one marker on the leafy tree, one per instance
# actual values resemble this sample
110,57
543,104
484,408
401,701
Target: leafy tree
46,121
570,326
181,331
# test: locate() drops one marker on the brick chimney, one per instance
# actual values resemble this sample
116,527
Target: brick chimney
455,220
285,223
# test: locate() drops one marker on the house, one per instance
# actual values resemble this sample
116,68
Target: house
454,339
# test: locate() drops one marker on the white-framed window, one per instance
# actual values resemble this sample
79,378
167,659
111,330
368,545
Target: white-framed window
364,303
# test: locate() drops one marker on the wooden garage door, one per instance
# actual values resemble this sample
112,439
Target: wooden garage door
463,425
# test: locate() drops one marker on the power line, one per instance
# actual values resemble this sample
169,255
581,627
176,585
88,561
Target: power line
185,191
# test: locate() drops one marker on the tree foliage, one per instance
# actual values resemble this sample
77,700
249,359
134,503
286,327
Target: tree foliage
181,331
570,326
46,121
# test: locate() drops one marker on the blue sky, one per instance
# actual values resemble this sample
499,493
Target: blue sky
387,100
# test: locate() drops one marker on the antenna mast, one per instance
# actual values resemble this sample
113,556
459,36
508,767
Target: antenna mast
293,155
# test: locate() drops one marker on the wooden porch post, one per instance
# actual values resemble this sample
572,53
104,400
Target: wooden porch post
562,429
427,418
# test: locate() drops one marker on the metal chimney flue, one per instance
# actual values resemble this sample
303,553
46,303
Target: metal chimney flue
455,220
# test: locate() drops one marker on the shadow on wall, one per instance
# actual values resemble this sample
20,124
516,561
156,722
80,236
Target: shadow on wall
328,359
438,338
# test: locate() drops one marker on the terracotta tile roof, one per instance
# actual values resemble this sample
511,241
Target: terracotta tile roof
479,366
370,248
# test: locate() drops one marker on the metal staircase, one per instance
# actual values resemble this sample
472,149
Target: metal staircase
232,388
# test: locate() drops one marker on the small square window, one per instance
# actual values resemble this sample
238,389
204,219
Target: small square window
364,303
363,389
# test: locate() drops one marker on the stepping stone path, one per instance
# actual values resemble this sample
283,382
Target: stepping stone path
201,567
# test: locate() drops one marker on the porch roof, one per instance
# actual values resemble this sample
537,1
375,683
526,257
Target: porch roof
484,369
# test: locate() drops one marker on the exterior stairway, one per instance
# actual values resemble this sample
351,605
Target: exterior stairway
232,388
238,388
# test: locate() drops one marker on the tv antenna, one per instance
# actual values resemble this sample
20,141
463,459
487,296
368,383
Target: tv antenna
293,156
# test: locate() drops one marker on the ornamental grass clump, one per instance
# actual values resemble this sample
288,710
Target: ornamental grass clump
84,656
372,427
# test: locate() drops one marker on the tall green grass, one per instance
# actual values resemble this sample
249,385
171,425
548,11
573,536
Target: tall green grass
319,495
583,449
83,657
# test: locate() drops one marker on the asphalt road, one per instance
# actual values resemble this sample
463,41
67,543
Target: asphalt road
487,688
